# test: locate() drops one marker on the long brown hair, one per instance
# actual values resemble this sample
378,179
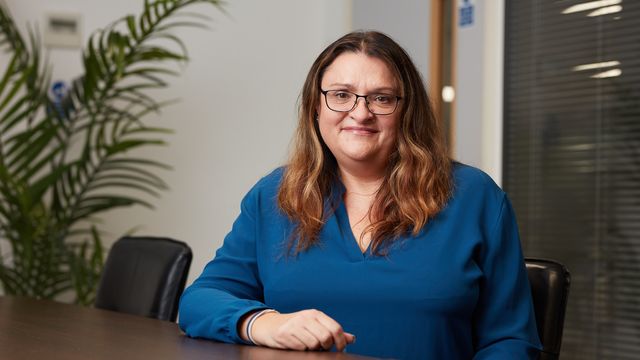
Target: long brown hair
417,181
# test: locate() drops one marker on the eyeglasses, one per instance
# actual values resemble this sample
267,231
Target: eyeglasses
345,101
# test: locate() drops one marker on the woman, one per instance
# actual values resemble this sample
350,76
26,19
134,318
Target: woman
369,232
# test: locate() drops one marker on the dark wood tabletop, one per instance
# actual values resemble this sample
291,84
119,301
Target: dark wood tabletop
40,329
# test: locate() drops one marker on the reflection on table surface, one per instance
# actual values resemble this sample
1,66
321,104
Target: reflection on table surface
41,329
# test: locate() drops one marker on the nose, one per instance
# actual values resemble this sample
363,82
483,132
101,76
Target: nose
361,110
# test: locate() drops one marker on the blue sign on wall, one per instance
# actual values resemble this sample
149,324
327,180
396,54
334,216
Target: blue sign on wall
465,13
58,96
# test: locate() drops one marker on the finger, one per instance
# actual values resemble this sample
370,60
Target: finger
284,338
309,320
322,335
291,341
277,342
336,331
350,337
308,339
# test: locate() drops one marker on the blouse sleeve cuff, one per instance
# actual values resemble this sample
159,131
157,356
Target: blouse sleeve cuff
235,318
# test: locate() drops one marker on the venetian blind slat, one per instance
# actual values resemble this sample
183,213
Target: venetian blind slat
572,161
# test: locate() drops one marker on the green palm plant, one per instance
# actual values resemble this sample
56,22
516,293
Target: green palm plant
64,163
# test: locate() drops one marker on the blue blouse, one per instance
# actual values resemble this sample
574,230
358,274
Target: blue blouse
458,290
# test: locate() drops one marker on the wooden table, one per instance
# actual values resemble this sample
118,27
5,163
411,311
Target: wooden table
39,329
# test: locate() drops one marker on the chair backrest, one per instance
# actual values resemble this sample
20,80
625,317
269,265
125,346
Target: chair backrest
144,276
550,282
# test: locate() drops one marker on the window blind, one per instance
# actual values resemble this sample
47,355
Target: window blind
572,159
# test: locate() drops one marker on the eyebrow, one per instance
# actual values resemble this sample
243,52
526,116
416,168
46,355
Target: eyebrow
350,87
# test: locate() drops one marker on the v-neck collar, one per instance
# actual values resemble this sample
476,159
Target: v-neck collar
353,249
340,212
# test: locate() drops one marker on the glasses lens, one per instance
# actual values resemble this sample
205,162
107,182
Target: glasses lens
340,100
382,104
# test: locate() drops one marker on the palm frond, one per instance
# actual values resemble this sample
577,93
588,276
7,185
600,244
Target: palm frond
63,164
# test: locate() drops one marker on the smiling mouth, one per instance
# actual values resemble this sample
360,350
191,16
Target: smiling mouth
360,130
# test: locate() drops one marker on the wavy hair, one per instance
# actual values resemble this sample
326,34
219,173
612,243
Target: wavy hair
417,180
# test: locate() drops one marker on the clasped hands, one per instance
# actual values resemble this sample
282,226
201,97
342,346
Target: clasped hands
302,330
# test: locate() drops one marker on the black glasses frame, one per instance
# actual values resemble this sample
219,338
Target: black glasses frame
355,103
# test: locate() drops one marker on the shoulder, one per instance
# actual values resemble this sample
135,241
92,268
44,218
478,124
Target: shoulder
475,189
473,181
270,182
265,191
469,176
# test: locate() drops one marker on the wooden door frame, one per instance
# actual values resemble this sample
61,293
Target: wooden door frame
436,66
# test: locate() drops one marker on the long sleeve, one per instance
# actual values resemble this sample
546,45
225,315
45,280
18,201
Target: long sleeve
229,286
456,290
504,321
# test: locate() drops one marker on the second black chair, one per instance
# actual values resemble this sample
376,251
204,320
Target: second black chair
549,282
144,276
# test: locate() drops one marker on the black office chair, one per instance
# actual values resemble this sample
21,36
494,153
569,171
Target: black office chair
550,282
144,276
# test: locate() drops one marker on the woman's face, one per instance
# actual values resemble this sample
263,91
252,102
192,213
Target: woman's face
359,137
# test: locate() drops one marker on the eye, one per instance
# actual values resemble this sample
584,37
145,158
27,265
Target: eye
341,95
382,99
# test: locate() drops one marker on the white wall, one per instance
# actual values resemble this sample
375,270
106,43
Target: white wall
406,21
479,74
237,110
468,67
